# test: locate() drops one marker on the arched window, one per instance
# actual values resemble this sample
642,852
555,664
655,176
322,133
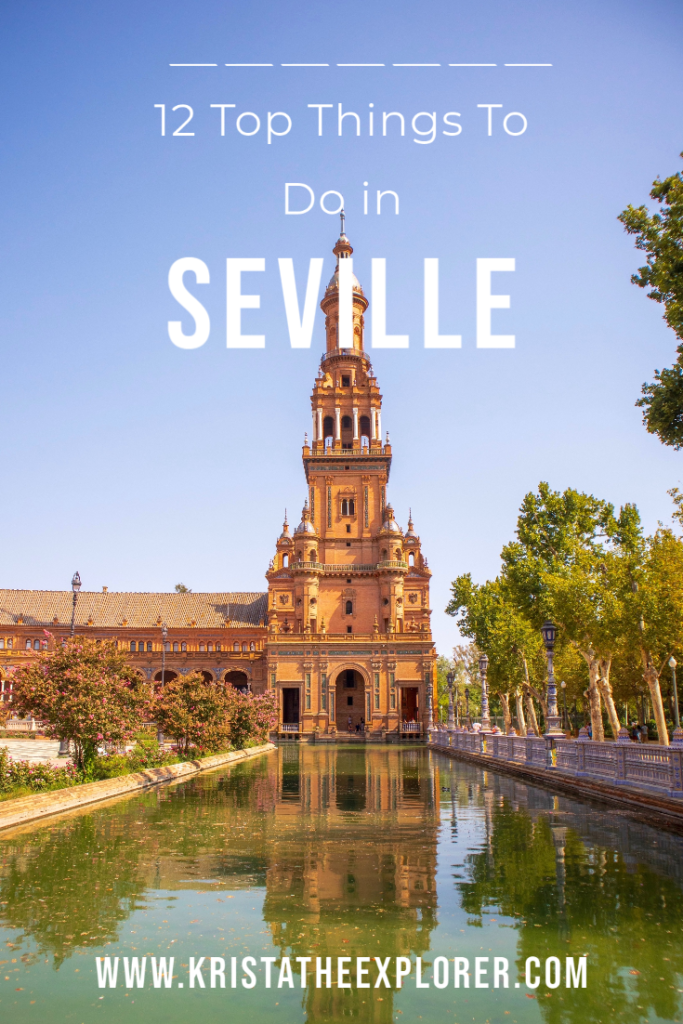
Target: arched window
365,431
132,645
384,554
328,427
141,646
244,648
299,557
202,647
149,645
411,558
175,646
2,644
252,646
349,607
218,646
285,561
313,555
28,645
235,647
398,554
348,507
209,647
183,646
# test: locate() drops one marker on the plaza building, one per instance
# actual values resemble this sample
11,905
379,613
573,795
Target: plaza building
342,634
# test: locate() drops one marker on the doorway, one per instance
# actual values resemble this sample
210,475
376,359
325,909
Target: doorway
409,703
290,705
351,710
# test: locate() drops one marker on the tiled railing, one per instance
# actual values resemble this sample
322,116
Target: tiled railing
289,727
410,727
649,766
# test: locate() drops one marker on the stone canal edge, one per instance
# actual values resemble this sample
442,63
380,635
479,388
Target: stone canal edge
651,808
42,805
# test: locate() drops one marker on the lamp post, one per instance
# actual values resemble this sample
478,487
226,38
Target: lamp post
75,586
549,632
677,738
430,706
485,716
451,719
564,698
164,634
467,706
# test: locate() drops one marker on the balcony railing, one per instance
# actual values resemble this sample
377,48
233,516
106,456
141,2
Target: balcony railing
346,453
290,727
410,727
648,766
350,567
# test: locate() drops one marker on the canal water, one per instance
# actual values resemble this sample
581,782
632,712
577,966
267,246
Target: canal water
343,852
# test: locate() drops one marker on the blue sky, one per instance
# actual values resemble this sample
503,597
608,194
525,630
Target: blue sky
141,464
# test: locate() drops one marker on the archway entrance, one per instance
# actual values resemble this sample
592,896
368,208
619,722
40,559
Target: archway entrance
168,676
351,709
240,680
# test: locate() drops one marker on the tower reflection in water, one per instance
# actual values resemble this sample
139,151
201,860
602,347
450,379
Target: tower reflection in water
333,851
362,880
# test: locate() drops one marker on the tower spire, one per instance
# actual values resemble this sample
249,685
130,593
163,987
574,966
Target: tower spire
342,218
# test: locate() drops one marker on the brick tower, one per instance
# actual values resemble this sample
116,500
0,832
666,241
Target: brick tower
349,644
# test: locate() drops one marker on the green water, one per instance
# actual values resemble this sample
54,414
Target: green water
342,852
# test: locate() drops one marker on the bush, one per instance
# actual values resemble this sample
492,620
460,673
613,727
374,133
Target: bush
17,775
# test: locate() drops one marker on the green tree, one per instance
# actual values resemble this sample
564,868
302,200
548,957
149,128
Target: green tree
193,712
180,588
660,235
490,618
86,692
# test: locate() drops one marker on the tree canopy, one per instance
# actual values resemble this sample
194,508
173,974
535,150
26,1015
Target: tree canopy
660,235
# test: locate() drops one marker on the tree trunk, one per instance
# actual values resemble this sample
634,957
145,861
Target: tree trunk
521,721
606,692
543,701
507,718
531,710
651,677
593,695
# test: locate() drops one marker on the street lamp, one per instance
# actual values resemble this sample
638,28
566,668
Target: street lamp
485,717
164,634
75,586
450,678
430,706
549,632
677,737
564,697
467,705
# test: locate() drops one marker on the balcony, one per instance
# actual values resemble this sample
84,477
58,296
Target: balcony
347,568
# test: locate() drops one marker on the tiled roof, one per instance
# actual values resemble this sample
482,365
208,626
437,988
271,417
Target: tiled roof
40,607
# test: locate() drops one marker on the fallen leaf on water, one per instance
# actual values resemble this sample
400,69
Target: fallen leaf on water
634,972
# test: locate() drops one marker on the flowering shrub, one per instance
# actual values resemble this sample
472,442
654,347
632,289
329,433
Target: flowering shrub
251,717
86,692
193,712
148,754
36,777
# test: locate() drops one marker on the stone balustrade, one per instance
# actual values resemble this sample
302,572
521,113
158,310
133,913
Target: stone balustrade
649,766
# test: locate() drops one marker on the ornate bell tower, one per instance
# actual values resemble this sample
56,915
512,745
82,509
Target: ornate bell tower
348,574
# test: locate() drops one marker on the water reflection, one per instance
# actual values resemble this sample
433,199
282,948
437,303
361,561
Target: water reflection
352,852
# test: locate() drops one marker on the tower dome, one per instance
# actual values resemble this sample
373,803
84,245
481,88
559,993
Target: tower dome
390,525
305,526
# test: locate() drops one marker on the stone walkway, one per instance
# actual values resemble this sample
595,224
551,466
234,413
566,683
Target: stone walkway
43,751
